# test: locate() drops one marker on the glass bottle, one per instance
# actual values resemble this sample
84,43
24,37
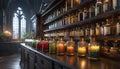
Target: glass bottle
76,3
92,31
98,7
80,15
87,31
97,29
105,48
82,48
60,47
45,47
81,31
102,28
93,49
52,46
118,28
107,28
85,14
92,11
70,47
68,5
106,5
39,45
114,3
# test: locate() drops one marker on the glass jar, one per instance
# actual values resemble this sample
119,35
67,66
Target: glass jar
39,45
93,49
45,47
82,46
52,46
60,47
70,47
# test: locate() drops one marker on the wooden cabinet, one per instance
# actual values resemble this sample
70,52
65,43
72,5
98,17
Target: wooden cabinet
43,63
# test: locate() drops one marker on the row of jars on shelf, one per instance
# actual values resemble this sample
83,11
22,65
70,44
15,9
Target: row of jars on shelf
86,12
104,29
61,47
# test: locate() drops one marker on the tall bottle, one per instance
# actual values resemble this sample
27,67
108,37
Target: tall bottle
60,46
82,48
93,49
98,7
107,28
70,47
52,46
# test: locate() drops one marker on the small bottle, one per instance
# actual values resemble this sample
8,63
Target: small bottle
70,47
93,50
60,46
98,7
107,28
82,48
97,29
52,46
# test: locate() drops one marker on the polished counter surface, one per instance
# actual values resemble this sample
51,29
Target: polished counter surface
75,62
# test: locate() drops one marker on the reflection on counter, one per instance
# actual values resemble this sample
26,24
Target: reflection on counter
71,60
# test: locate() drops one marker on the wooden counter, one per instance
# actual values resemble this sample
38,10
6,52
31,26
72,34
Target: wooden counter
33,59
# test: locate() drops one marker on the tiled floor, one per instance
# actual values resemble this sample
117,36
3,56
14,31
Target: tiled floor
10,62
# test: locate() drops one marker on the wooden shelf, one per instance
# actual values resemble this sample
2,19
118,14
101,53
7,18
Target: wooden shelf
87,21
69,11
49,10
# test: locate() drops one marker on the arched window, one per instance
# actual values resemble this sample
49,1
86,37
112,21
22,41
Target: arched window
19,24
